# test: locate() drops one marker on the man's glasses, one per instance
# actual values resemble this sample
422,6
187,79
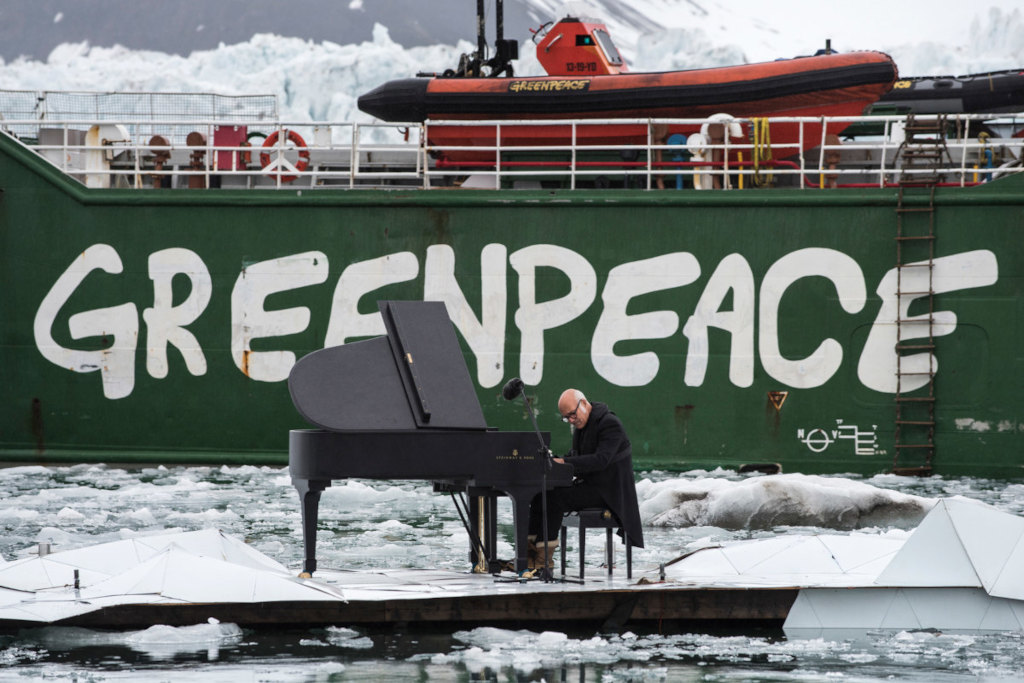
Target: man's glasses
572,415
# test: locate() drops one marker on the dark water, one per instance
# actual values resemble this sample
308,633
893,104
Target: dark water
498,655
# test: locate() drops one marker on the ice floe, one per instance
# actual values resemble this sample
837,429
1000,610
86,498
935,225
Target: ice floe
961,570
184,567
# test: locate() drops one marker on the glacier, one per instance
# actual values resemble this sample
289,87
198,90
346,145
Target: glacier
321,81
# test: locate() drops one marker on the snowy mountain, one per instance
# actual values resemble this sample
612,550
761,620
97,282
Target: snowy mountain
317,56
35,27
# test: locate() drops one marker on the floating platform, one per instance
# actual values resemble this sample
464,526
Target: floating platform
962,569
187,578
449,600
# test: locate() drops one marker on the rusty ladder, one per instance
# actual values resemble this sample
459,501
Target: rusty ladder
921,156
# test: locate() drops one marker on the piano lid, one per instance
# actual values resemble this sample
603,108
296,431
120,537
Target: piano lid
414,377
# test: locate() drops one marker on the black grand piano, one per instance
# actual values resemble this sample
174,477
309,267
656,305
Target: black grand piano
403,406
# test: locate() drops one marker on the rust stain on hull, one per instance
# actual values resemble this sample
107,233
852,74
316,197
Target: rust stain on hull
37,425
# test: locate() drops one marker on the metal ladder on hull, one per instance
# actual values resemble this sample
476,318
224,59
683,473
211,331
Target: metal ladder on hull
922,154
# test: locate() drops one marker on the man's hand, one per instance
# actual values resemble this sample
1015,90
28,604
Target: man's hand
560,461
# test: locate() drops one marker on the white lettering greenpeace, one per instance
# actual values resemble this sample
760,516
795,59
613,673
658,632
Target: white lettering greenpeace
249,320
877,365
486,336
116,363
845,274
165,323
534,317
358,279
625,282
559,268
732,274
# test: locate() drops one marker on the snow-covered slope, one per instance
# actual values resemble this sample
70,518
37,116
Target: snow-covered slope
922,36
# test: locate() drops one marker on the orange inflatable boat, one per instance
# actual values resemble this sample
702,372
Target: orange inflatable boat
589,80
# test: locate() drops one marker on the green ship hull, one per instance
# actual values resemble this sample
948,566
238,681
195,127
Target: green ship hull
724,328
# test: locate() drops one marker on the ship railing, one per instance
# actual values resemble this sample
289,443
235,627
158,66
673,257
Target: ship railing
55,106
226,154
795,152
817,152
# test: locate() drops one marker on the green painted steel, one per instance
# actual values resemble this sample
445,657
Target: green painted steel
683,310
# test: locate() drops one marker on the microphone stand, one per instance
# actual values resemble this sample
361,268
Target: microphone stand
545,453
512,388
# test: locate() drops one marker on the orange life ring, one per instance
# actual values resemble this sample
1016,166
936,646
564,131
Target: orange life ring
280,161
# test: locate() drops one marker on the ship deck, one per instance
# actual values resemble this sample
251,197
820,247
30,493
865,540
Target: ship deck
253,150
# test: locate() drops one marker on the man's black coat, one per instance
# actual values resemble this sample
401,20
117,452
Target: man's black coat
603,458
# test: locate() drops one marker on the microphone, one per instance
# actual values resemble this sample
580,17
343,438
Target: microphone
512,389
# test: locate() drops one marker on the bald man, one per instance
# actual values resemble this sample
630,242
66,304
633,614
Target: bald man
602,461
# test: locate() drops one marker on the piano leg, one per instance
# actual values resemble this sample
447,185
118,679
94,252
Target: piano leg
521,499
483,519
309,503
489,534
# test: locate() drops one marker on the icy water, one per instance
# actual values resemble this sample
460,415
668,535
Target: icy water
404,524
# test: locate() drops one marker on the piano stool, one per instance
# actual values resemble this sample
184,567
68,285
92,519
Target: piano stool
596,518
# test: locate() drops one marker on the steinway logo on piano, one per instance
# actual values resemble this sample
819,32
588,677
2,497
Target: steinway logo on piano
515,455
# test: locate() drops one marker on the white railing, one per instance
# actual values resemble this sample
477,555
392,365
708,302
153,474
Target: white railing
639,153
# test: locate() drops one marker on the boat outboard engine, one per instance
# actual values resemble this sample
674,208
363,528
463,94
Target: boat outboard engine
505,50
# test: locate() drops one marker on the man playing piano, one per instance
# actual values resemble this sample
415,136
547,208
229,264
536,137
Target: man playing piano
602,461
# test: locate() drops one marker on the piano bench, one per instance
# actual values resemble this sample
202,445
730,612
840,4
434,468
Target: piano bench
596,518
